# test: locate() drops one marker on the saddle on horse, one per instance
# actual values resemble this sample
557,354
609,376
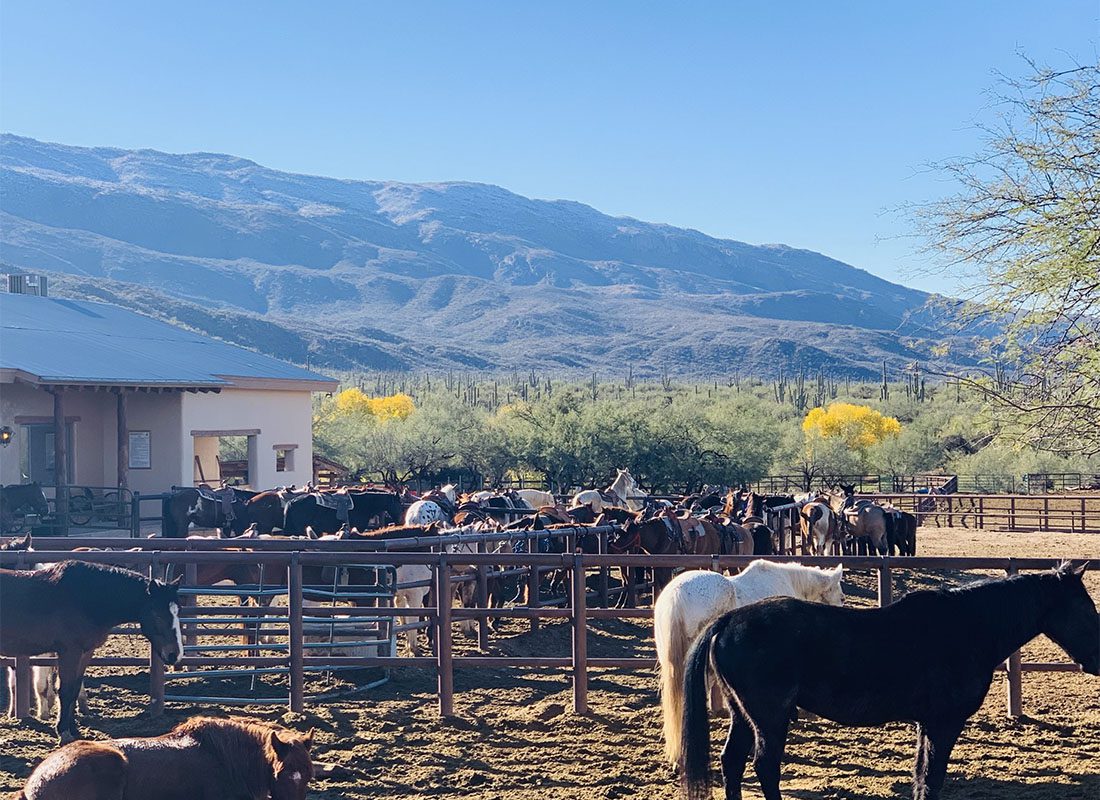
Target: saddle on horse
340,501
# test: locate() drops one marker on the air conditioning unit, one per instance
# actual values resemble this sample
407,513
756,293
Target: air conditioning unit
24,283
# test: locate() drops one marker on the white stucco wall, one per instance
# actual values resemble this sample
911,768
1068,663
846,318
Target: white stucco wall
282,417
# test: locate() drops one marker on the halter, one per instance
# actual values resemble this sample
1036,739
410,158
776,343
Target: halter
635,541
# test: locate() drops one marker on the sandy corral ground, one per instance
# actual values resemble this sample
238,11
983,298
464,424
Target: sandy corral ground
515,737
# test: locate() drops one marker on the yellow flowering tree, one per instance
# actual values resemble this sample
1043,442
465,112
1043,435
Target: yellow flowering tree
858,427
354,402
836,438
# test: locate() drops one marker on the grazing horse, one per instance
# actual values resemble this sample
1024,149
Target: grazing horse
17,499
201,758
69,608
695,598
929,658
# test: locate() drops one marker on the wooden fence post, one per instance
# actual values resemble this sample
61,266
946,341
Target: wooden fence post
156,666
1012,513
443,637
603,587
483,600
21,702
296,640
1015,673
580,637
885,585
533,581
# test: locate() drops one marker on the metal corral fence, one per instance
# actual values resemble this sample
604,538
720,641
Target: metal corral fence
1032,483
580,606
1069,513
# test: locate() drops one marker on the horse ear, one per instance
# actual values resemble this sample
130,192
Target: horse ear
280,747
174,584
838,570
1079,571
309,737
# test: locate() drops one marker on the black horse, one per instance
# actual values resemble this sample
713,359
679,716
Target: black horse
928,658
18,499
369,510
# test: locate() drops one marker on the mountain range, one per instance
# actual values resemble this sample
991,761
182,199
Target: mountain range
365,275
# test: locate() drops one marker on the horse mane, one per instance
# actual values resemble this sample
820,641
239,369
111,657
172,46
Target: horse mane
242,747
114,589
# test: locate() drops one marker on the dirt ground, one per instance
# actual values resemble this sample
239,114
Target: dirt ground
515,737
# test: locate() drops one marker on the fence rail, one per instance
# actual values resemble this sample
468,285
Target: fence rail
580,606
1072,513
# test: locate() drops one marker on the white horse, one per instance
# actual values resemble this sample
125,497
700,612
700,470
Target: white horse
626,490
694,599
425,512
588,497
537,498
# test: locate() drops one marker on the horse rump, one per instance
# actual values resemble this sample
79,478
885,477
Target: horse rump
695,722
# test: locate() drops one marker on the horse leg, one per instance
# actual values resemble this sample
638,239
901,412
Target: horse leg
934,744
70,669
771,743
735,754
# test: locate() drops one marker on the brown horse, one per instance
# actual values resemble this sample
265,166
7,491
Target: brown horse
201,758
70,608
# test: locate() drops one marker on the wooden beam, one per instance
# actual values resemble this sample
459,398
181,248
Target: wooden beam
240,432
123,441
60,462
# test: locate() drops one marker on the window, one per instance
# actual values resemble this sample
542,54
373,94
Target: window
284,457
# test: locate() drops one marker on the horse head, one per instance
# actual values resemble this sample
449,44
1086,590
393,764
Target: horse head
291,765
1071,620
160,620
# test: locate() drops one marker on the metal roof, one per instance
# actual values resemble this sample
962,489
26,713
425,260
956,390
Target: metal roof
57,340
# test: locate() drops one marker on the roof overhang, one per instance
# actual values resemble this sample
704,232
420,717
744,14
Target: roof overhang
9,375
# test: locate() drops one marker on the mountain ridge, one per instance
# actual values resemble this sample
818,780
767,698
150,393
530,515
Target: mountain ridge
453,274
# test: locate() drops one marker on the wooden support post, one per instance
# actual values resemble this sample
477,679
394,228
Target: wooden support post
580,637
1083,517
444,654
123,437
604,586
297,665
156,666
1044,524
1012,513
981,512
885,585
24,680
1014,684
60,462
191,578
483,600
533,600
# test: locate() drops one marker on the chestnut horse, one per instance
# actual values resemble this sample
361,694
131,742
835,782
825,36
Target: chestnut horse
201,758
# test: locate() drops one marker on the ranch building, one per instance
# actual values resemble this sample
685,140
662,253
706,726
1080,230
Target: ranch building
143,404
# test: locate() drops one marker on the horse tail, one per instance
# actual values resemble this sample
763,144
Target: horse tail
672,648
695,724
167,518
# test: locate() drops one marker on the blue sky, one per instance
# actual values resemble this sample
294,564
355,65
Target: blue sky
799,122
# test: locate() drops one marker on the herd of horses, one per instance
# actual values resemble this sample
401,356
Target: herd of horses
759,644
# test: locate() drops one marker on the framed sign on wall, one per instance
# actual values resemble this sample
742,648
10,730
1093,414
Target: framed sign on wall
141,454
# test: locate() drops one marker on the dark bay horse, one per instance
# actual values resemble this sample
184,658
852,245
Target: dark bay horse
201,758
70,608
929,658
17,500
